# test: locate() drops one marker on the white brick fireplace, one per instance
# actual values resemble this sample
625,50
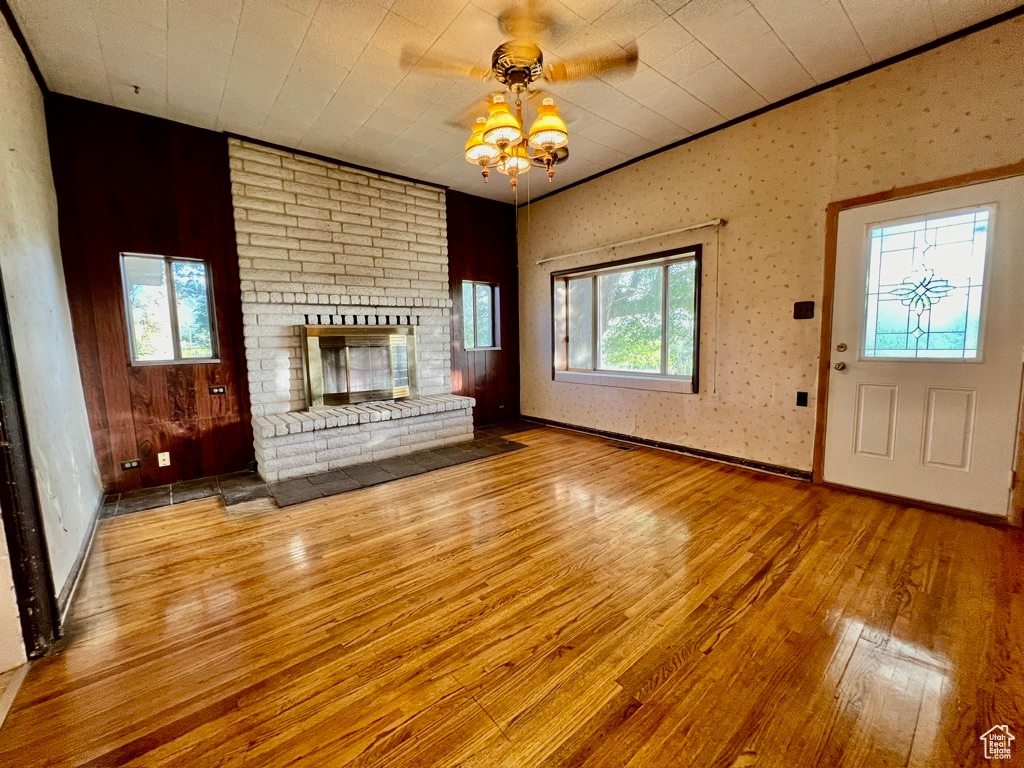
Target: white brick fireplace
323,244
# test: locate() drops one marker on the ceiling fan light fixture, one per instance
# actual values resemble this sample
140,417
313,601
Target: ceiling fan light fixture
516,162
500,140
548,131
502,129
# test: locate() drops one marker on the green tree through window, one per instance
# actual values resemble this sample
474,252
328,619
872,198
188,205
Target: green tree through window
193,304
643,321
169,309
479,315
630,325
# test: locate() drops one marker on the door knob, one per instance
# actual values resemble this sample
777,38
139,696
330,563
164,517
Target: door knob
840,366
840,347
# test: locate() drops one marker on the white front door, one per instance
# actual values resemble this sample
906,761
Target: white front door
927,340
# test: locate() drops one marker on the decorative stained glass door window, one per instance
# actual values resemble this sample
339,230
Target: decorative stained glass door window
925,286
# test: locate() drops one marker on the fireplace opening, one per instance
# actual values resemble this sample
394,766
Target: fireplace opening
344,365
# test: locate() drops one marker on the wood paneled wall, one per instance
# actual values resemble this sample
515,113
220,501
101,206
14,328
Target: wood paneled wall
482,247
129,182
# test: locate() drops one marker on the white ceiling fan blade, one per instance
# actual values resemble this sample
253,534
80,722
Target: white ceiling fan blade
581,67
442,65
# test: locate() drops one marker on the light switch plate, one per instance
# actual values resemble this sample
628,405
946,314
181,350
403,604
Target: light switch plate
803,310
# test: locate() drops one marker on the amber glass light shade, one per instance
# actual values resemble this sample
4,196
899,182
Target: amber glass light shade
502,127
548,131
516,161
477,150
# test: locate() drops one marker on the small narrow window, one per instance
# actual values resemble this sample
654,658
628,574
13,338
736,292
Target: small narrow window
480,315
169,306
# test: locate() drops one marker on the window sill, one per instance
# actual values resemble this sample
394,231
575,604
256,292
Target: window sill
183,361
483,349
681,386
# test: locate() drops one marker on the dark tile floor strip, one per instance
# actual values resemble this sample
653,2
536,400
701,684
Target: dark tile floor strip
233,488
505,428
289,492
239,487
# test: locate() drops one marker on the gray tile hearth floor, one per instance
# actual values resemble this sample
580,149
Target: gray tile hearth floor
302,489
239,487
233,488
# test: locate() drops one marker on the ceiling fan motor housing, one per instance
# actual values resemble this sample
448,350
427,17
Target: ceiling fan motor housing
517,64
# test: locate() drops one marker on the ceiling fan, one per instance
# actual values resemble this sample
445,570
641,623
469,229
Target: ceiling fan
500,139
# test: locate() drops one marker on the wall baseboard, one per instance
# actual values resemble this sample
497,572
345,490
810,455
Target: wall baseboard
796,474
8,692
67,594
757,466
966,514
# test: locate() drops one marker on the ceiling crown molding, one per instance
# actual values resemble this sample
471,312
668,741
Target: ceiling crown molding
937,43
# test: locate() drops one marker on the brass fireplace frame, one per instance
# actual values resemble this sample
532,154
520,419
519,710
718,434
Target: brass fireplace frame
315,338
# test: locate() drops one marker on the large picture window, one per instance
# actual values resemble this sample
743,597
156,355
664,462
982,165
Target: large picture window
636,319
169,305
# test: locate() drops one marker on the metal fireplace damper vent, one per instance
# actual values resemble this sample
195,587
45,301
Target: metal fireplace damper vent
345,365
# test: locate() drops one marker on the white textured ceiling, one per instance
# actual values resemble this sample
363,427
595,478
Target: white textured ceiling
324,75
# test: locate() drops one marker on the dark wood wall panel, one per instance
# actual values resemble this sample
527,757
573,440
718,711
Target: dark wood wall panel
129,182
482,246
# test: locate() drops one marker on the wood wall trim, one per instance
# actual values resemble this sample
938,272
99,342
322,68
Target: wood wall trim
67,594
937,43
828,292
825,341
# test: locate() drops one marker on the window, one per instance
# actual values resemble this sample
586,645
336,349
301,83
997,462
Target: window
479,315
169,303
924,286
631,323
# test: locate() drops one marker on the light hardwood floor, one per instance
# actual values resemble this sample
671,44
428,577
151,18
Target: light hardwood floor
566,604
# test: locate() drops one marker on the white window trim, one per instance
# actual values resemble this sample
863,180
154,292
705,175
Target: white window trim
621,379
126,296
495,320
682,385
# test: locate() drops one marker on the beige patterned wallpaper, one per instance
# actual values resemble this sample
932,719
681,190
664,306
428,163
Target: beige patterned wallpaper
950,111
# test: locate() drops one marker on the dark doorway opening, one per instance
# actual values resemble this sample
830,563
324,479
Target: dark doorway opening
20,511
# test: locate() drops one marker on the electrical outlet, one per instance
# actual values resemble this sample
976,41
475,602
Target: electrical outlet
163,459
220,389
131,464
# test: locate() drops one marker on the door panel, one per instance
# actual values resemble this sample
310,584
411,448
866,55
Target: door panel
949,428
876,419
927,345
